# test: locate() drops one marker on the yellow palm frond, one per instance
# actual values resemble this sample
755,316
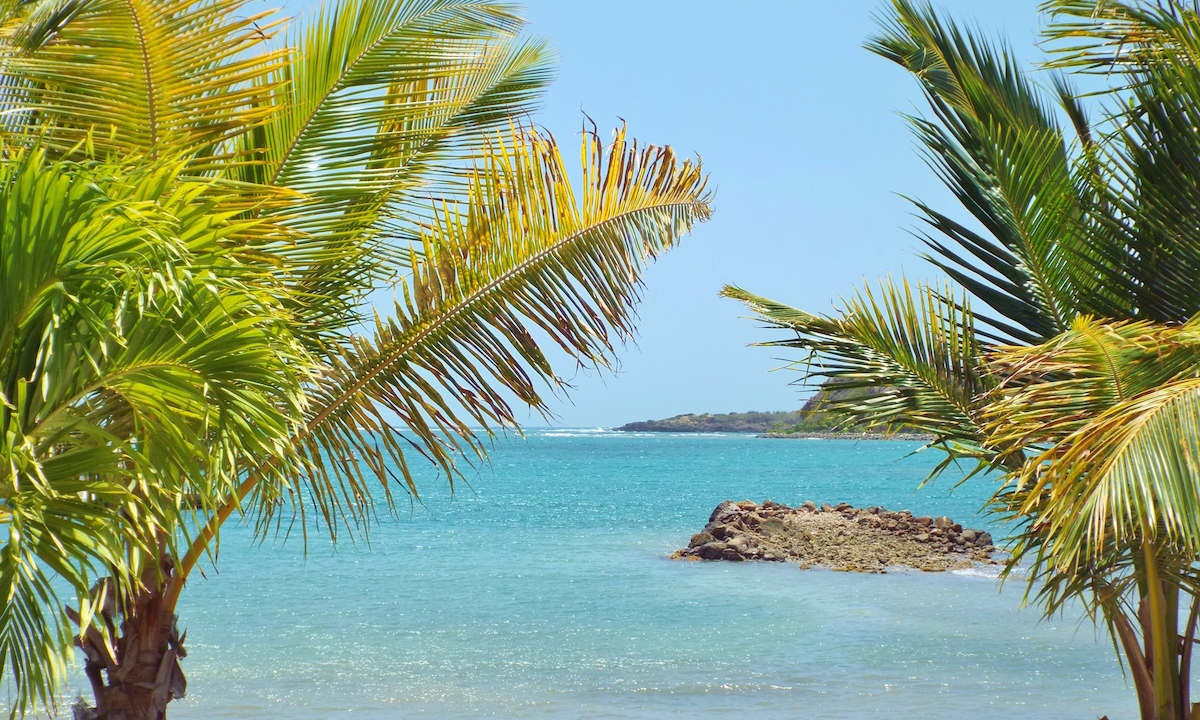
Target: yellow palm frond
139,75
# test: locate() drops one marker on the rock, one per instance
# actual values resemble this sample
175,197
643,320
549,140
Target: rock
722,509
772,527
840,536
701,538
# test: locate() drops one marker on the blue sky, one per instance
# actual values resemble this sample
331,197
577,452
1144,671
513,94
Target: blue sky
799,127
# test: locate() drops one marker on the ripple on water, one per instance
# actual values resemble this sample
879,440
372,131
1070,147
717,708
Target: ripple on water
542,590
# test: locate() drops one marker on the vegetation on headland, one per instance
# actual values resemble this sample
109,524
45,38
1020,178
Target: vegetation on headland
197,202
1061,354
813,419
747,422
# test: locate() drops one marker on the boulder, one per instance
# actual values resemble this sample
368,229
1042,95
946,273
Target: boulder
809,506
984,539
968,536
701,538
712,551
942,522
731,554
721,510
924,521
826,507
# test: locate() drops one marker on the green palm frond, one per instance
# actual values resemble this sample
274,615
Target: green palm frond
1112,37
524,255
383,105
134,386
139,75
914,349
384,96
1114,409
996,145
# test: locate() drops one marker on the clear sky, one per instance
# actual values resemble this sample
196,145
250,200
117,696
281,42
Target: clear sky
799,127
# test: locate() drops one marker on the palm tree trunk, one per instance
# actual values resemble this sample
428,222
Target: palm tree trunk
1163,650
1185,662
144,675
1143,683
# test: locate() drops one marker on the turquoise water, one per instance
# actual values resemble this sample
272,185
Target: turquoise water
543,591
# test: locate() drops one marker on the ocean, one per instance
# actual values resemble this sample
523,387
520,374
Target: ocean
542,589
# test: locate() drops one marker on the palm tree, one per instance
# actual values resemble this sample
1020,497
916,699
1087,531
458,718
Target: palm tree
377,143
139,366
1095,219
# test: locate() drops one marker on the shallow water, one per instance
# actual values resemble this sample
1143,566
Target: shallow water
543,591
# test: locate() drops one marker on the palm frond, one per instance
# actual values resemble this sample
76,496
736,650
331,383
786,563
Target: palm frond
996,145
138,75
134,385
1113,408
914,349
383,106
524,255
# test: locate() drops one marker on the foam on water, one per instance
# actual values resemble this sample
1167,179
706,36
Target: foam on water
543,590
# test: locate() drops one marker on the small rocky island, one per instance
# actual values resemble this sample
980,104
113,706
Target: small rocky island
839,537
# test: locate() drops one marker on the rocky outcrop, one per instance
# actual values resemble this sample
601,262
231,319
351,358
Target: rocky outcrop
842,538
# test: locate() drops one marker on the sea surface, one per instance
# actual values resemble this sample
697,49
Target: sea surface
543,590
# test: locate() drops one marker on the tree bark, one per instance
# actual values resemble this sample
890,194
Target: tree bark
144,675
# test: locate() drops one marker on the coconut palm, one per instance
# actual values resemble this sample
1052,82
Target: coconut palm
375,143
1094,219
141,367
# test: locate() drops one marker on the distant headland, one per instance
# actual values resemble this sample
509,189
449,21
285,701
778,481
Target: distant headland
745,422
810,421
